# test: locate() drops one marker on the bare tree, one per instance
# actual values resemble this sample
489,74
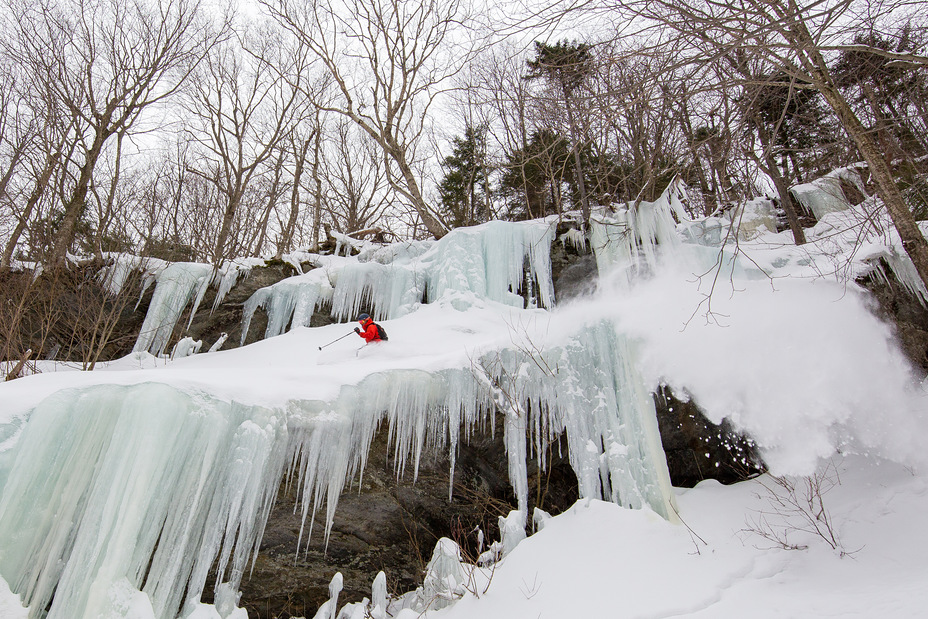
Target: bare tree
797,40
298,145
44,136
389,60
355,180
244,102
104,62
500,76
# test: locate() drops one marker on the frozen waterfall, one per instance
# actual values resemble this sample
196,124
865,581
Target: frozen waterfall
493,261
144,483
151,484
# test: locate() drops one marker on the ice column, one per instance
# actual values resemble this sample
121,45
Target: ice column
391,290
444,577
151,486
289,301
490,261
599,401
825,195
178,285
628,240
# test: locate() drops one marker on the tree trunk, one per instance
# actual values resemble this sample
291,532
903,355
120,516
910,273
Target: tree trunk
286,239
317,180
581,186
411,190
40,185
110,198
782,187
74,208
228,216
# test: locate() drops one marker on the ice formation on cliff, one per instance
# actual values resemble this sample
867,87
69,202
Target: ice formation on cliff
493,261
150,484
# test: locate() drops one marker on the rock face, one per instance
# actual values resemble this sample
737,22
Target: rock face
698,449
898,307
573,272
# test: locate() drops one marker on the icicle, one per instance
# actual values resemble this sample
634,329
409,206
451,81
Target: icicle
135,490
379,597
904,272
574,238
114,275
488,261
511,530
178,285
229,273
753,218
391,291
627,241
292,300
329,608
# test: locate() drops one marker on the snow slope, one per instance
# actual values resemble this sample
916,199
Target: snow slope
598,560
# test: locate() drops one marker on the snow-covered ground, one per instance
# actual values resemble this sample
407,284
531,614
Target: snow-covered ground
599,560
780,342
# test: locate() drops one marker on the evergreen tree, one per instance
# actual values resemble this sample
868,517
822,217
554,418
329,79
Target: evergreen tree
566,65
888,92
534,176
465,187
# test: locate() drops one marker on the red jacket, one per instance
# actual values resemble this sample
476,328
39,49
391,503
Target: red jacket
369,331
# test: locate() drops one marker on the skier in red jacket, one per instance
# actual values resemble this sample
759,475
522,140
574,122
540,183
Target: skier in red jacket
368,329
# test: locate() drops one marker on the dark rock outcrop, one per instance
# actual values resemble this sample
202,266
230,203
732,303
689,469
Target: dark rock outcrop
208,323
698,449
573,271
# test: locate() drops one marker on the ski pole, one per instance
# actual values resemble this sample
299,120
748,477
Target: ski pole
335,340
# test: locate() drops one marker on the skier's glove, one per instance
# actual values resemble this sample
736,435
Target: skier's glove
357,330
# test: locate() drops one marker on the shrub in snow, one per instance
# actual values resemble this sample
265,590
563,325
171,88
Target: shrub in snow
539,518
512,530
219,342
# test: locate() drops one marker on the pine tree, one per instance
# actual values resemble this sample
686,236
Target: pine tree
465,187
566,65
